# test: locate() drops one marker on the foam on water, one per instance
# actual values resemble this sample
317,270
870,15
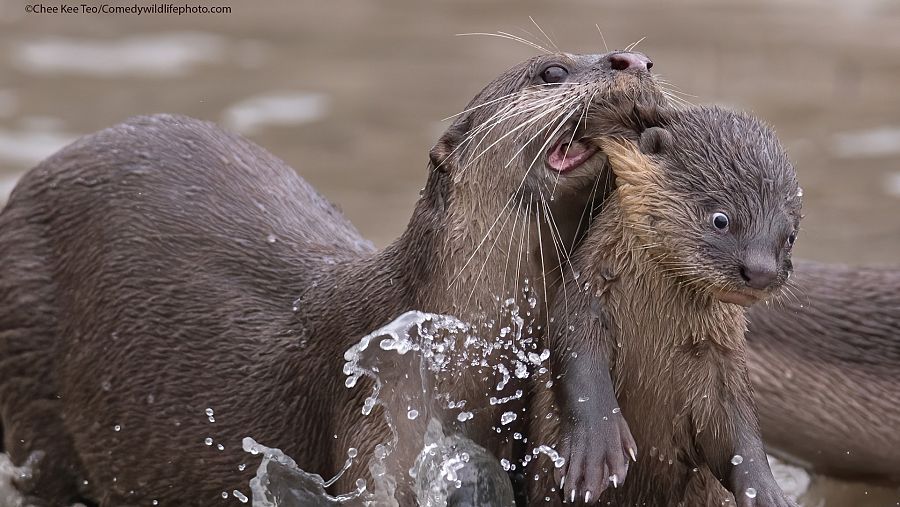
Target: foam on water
878,142
155,55
276,109
7,183
25,148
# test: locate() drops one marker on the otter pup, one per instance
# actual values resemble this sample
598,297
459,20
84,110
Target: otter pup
701,224
164,270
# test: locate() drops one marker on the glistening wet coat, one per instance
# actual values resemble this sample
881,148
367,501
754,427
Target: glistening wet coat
652,324
164,267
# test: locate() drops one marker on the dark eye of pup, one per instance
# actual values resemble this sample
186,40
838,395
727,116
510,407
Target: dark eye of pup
720,221
791,239
554,74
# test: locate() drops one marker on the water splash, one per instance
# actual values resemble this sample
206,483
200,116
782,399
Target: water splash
448,461
280,482
412,366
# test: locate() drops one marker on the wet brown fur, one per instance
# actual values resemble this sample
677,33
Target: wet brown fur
164,266
676,352
825,361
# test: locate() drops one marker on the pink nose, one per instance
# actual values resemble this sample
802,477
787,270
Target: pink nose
627,60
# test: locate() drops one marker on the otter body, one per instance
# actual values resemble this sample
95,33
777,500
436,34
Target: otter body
825,361
149,275
703,218
164,267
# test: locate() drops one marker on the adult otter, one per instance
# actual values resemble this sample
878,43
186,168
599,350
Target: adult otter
824,362
152,272
702,221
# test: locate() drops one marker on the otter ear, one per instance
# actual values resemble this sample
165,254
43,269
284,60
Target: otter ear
440,154
655,140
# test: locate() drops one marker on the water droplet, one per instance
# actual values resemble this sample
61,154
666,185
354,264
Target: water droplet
368,405
240,496
209,412
737,459
242,467
582,399
220,447
507,418
412,414
464,416
271,238
617,410
208,441
751,493
352,452
224,494
505,464
155,502
117,428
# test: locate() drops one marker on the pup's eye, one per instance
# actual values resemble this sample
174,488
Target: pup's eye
791,239
554,74
720,221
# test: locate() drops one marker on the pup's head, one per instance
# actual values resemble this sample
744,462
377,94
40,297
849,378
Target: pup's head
712,194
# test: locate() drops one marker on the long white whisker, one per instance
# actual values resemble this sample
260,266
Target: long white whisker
503,35
634,44
508,212
545,34
605,47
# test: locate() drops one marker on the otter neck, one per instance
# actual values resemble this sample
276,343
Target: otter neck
448,260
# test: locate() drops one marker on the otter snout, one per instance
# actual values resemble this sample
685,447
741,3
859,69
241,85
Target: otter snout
627,60
759,271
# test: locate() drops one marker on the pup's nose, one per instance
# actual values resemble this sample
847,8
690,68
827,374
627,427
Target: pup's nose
759,274
626,60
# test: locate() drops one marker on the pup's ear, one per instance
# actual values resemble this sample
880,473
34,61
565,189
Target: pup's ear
443,152
655,140
627,162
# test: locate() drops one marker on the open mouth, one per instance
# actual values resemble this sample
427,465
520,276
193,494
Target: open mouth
567,154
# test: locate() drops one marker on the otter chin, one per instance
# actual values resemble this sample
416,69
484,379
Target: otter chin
745,299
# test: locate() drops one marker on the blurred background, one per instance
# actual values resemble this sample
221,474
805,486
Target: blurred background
352,93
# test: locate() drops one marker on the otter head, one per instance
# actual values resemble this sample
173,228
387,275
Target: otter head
712,194
513,176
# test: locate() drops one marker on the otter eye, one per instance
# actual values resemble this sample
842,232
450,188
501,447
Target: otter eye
720,221
791,239
554,74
